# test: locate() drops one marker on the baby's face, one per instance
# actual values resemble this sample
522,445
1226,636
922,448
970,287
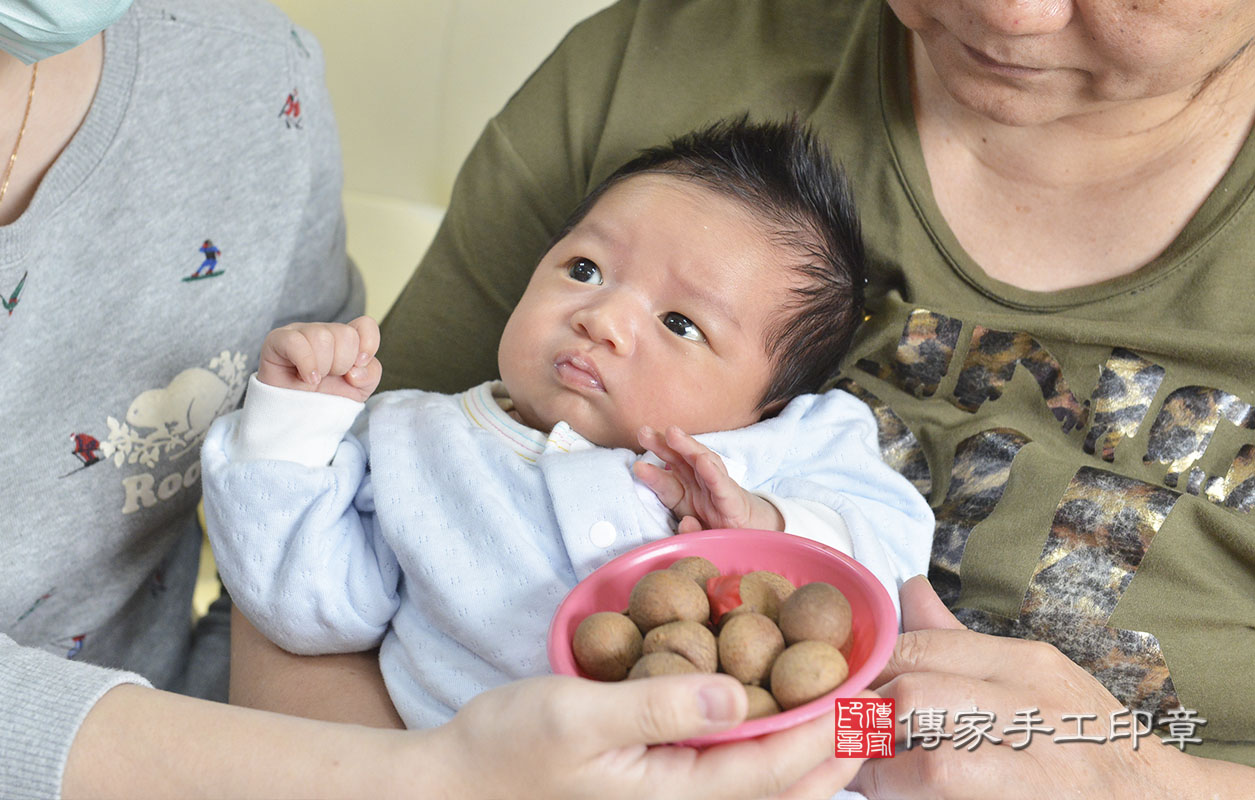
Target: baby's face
652,311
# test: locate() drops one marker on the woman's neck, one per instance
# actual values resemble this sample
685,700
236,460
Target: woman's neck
1117,141
63,93
1086,198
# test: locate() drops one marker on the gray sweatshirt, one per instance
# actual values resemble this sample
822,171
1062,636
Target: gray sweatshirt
196,208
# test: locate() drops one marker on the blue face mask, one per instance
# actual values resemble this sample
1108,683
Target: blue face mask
34,30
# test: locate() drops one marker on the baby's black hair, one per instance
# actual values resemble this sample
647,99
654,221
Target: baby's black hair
783,175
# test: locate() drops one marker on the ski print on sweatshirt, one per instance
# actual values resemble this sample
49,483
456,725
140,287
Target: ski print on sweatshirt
291,111
209,266
10,302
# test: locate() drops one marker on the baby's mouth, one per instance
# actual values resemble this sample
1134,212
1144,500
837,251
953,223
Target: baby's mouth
578,371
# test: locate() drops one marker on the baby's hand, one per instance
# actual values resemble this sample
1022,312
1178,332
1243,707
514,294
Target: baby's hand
696,486
326,357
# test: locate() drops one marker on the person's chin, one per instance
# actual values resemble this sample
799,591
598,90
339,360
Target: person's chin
1006,105
1016,98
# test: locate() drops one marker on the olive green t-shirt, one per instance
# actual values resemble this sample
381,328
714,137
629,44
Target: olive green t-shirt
1089,453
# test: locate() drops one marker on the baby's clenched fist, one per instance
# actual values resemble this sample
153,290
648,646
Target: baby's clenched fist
326,357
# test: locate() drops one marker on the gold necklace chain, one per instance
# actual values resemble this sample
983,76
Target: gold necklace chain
30,97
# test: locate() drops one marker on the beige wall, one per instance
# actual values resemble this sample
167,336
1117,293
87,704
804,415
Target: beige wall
413,82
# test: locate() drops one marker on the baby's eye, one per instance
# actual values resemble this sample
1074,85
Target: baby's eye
584,271
682,326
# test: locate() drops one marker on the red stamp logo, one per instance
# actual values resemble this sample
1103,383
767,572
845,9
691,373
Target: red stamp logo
864,727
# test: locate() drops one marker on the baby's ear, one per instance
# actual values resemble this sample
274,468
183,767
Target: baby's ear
772,409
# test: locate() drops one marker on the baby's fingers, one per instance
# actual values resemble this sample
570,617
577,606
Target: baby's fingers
689,524
367,339
710,470
303,354
730,504
656,443
706,465
365,378
291,353
686,447
345,347
661,482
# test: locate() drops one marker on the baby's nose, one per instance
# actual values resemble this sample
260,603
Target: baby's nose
607,323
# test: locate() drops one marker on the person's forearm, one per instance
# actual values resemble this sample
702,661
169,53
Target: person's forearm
138,743
338,688
552,737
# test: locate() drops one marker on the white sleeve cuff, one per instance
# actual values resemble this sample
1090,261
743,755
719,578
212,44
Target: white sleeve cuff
813,521
290,425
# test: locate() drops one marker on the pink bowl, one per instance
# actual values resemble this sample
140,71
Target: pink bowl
738,552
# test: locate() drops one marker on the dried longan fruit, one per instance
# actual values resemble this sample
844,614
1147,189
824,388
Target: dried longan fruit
805,671
748,643
606,645
697,568
818,612
781,586
664,596
760,591
692,640
656,664
767,590
761,703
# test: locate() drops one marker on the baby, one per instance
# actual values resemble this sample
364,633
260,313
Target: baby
657,376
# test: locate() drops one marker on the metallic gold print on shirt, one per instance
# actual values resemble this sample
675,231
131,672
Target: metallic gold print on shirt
923,353
1126,386
1185,425
1105,522
1129,663
1101,531
898,446
982,464
1237,488
991,361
